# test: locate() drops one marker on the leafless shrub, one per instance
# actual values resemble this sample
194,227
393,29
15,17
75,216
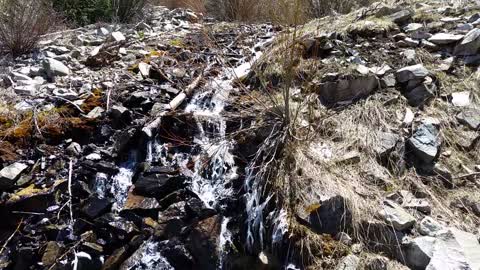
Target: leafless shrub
22,22
125,10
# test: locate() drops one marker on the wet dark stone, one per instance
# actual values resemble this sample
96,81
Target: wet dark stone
24,258
101,166
196,208
95,207
203,240
158,185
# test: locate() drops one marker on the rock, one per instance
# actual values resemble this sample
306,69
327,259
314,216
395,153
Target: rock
55,68
115,260
421,35
421,94
10,174
74,149
176,210
158,185
376,263
52,252
421,205
93,157
388,81
199,209
95,207
95,113
401,17
419,252
429,227
118,36
412,73
344,238
203,242
408,118
455,249
29,90
425,142
137,203
120,113
350,262
333,92
64,93
470,117
412,27
445,38
469,45
102,31
332,217
144,69
394,215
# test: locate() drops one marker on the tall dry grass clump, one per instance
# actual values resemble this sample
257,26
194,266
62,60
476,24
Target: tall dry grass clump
23,22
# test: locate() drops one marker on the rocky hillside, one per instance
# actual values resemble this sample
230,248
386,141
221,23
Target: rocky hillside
350,142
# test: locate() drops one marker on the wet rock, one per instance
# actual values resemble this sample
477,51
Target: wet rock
203,242
138,203
412,73
470,117
55,68
197,208
158,185
176,210
120,114
102,166
394,214
10,174
445,38
429,227
74,149
346,89
332,217
95,207
52,252
350,262
470,44
123,139
425,142
115,260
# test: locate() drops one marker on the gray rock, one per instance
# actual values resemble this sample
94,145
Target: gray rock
388,81
65,93
28,90
429,227
429,46
144,69
95,113
425,142
401,16
421,205
376,263
346,89
419,252
350,262
465,27
412,73
118,36
469,45
10,174
412,27
74,149
395,215
470,117
445,38
420,35
344,238
461,99
455,249
94,157
55,68
119,112
332,217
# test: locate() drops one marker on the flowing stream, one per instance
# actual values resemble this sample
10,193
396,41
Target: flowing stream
214,168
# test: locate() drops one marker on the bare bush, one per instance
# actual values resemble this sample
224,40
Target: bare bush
125,10
22,23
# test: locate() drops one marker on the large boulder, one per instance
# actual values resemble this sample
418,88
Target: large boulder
425,142
449,249
470,44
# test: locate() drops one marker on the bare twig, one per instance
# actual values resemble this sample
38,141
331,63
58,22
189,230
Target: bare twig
11,236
